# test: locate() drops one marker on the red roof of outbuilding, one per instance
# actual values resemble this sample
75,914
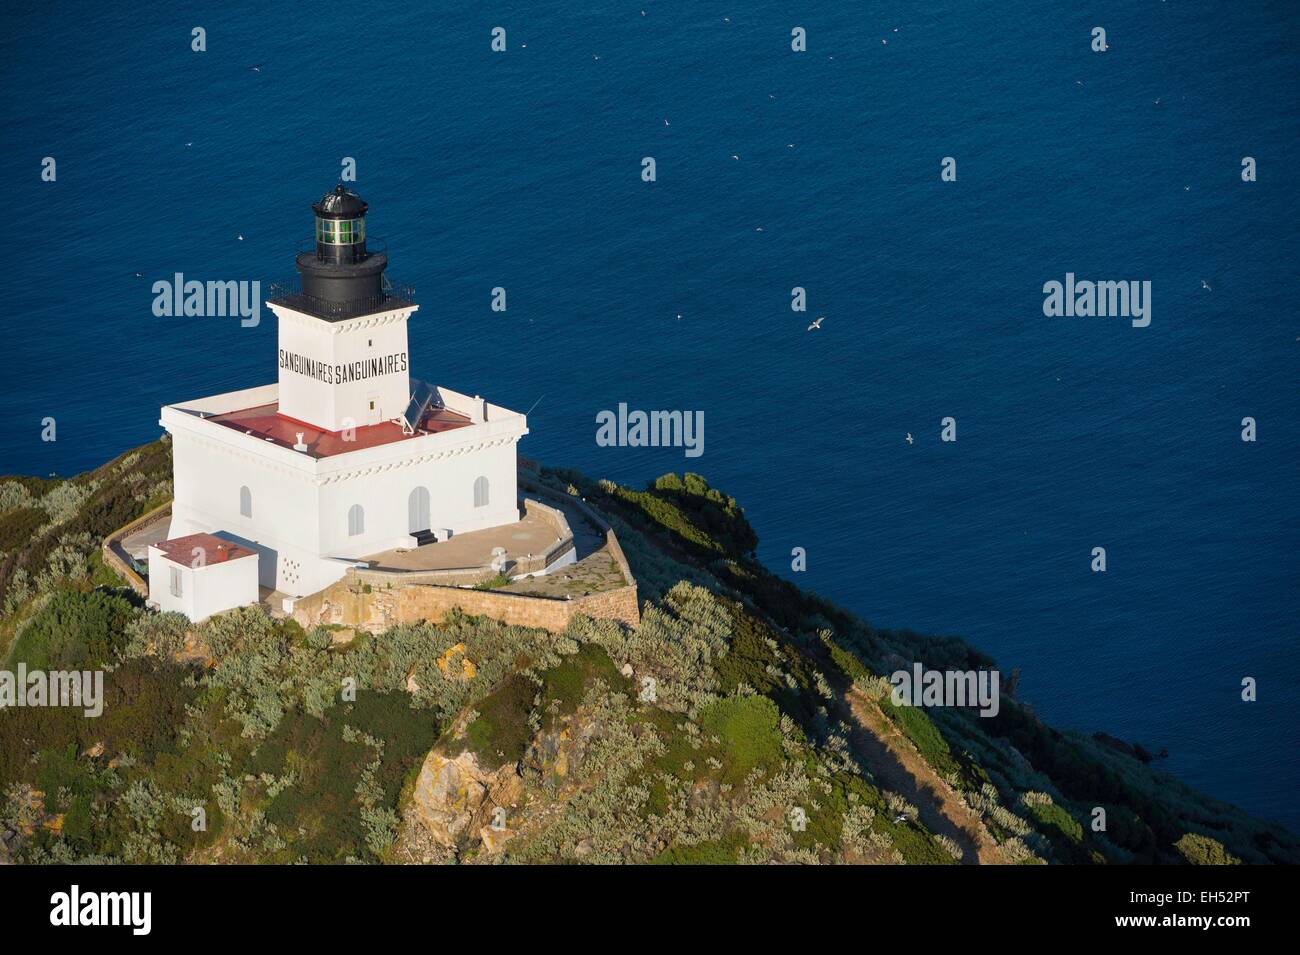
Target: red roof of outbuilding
212,549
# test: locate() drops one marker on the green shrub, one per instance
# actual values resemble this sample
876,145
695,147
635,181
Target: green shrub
761,659
1062,829
712,852
144,704
563,686
848,662
93,504
698,516
75,631
1202,850
748,727
500,733
318,813
18,526
678,750
917,725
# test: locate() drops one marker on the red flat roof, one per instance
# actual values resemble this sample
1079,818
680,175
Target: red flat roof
214,549
266,422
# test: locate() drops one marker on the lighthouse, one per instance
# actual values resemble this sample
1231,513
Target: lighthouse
342,356
346,454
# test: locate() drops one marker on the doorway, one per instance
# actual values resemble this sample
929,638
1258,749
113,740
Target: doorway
417,510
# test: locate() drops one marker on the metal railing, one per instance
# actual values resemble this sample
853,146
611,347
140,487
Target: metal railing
374,245
290,293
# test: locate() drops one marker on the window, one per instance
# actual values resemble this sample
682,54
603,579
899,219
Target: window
245,502
176,581
340,231
356,520
480,492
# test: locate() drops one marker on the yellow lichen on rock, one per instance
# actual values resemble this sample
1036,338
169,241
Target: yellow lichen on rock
466,670
455,797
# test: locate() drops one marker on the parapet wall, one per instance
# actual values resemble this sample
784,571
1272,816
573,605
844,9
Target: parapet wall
593,515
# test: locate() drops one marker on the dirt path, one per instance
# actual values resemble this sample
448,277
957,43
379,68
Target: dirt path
897,766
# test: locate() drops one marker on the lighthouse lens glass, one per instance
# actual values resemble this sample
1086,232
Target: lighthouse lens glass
342,232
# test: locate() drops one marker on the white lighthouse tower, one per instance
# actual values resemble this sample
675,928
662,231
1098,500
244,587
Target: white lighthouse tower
346,455
342,349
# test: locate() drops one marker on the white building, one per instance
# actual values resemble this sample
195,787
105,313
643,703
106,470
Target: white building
199,575
346,455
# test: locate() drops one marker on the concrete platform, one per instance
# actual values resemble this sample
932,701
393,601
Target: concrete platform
136,544
530,536
592,574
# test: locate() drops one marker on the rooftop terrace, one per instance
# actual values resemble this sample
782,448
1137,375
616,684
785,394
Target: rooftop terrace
266,422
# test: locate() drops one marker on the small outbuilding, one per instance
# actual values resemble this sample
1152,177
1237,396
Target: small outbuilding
201,574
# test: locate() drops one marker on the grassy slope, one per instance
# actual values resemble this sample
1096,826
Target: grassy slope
1006,759
750,722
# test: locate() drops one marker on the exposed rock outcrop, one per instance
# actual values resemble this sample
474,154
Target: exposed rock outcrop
458,801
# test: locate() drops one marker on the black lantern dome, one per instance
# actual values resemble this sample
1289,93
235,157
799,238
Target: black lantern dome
342,203
341,278
340,226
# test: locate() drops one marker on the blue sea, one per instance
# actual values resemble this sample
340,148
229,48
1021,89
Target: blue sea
774,169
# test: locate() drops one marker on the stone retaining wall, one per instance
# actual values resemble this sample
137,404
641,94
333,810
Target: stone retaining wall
348,603
113,543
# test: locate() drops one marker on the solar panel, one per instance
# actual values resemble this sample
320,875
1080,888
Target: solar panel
421,397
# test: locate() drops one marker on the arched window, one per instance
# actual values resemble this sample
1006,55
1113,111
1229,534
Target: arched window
356,520
245,502
481,492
